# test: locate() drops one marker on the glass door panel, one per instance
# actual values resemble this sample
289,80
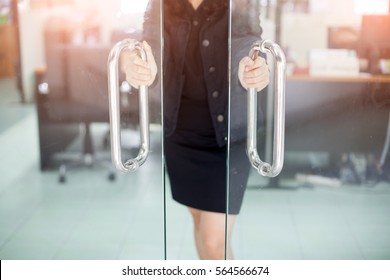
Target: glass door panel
195,103
331,199
62,197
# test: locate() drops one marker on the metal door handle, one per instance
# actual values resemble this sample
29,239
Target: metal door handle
133,164
264,168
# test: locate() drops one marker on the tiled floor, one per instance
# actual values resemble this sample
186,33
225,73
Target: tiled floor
92,218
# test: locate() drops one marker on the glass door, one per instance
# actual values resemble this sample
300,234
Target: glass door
330,200
60,197
144,164
205,155
249,124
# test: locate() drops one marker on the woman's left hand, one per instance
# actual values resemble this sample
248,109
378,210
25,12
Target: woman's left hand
253,73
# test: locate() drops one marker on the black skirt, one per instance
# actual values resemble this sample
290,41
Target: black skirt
197,166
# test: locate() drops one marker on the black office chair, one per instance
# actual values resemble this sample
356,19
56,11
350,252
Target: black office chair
61,121
71,94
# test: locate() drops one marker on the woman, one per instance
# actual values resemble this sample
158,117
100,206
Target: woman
196,107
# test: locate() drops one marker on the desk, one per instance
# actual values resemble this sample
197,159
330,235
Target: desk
359,79
334,116
337,114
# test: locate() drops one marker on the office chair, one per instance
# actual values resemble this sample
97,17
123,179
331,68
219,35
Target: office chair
71,94
63,121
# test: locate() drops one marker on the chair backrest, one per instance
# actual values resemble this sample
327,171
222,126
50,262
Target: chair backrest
55,58
87,75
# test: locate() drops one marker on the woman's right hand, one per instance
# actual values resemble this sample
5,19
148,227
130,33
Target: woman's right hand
139,72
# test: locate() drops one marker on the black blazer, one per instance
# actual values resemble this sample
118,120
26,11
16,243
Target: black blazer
215,60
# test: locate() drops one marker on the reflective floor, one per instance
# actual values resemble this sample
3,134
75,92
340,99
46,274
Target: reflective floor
90,217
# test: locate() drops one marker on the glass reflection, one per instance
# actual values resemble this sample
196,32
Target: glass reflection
337,119
65,201
330,202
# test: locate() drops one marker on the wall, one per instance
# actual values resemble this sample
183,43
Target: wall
297,28
32,22
31,40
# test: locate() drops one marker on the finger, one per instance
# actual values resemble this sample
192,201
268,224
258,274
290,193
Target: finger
257,81
136,64
253,73
137,81
149,54
137,60
133,82
147,49
259,86
138,75
259,62
151,62
143,77
257,72
246,62
140,69
260,78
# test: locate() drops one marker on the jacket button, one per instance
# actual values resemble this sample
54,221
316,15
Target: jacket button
220,118
195,23
215,94
206,43
211,69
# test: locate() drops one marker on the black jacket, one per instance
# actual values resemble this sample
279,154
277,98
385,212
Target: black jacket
215,60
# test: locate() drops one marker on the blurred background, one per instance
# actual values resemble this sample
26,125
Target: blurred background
61,198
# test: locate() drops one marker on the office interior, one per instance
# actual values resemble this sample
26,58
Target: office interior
62,198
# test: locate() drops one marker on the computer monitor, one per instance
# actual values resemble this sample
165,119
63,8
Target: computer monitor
374,42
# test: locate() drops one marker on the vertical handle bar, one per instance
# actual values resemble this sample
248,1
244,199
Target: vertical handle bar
133,164
264,168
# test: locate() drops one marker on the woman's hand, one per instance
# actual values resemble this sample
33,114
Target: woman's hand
253,73
139,72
